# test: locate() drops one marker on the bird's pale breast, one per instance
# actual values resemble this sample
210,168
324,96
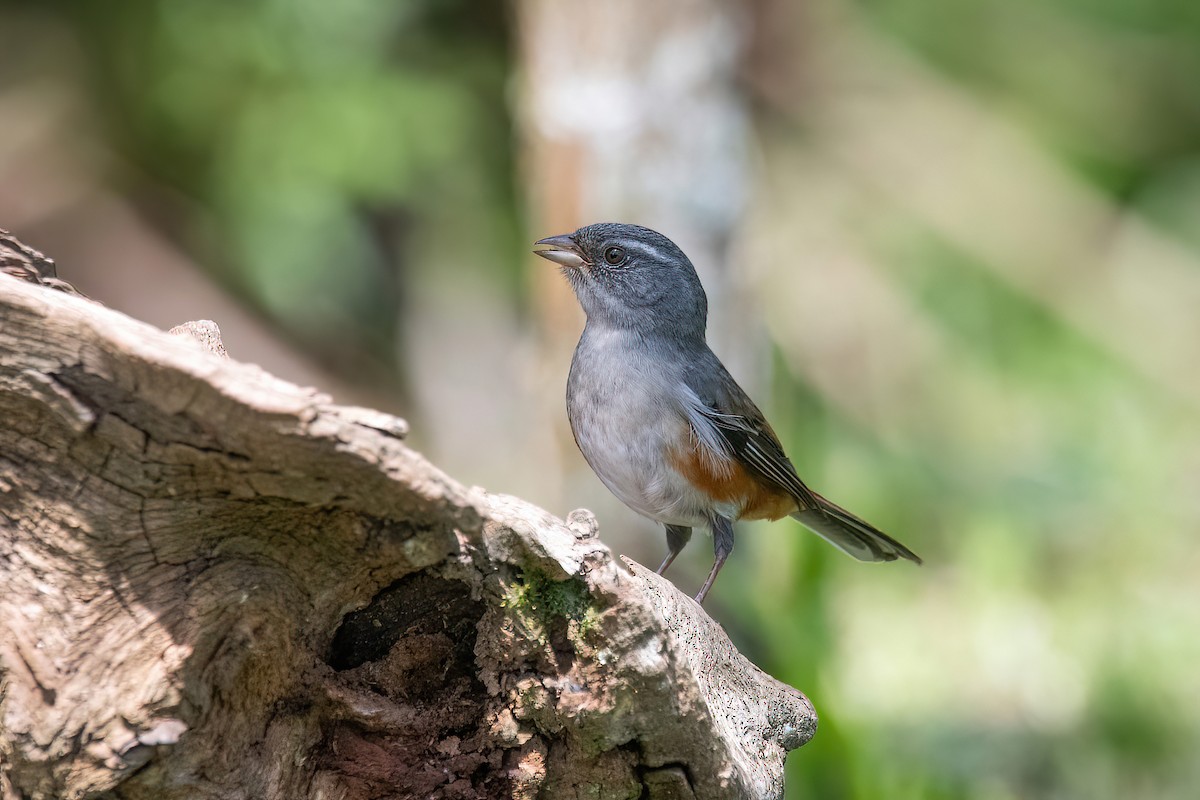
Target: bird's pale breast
627,420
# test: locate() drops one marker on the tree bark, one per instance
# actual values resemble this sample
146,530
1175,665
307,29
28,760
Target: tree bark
220,585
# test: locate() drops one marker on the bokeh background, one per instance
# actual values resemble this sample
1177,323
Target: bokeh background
953,249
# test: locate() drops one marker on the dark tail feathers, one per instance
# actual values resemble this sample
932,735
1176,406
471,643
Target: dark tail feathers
851,534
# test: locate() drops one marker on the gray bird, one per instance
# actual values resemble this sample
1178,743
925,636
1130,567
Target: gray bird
659,418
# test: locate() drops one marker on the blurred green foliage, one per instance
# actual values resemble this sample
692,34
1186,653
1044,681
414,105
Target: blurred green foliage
320,148
1052,654
1109,84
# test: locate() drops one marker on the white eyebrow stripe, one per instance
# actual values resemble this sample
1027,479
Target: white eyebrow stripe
647,249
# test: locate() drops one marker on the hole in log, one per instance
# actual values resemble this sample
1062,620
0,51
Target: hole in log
413,649
417,605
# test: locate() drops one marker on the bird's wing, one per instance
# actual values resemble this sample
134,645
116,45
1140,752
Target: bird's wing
726,420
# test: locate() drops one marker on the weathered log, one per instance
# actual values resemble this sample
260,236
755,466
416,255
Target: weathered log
220,585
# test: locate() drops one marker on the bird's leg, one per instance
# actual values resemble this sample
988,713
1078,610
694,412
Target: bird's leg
722,531
677,537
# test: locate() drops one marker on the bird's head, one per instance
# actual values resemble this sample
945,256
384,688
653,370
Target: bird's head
630,276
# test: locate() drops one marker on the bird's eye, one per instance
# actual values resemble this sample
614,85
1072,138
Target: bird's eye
614,255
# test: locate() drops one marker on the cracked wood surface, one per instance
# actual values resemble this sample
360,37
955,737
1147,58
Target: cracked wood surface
221,585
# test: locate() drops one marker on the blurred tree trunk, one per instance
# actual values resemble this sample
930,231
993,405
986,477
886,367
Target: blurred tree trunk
632,112
220,585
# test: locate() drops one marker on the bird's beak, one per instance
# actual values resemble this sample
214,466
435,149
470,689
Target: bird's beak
561,250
